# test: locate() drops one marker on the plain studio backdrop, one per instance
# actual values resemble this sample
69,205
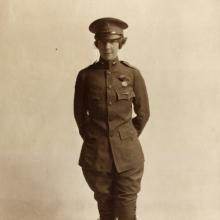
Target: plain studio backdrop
43,45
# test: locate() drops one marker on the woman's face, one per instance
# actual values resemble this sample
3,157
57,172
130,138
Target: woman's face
108,49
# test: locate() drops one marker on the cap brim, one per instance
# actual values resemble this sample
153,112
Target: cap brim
108,36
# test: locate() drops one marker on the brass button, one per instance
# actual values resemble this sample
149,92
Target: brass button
109,86
108,72
111,133
110,103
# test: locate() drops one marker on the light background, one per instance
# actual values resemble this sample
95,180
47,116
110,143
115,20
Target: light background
43,45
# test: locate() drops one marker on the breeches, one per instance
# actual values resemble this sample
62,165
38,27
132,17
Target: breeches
115,193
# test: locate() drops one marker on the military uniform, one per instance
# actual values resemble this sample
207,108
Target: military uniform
111,155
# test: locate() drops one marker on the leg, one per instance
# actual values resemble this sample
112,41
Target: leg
101,185
126,187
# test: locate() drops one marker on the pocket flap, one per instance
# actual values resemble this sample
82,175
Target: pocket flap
125,94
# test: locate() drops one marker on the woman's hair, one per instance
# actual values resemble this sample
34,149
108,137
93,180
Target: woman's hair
121,41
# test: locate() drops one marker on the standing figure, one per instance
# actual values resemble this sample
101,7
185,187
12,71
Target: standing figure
106,92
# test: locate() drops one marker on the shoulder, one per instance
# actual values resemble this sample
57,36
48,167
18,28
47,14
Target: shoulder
137,76
125,63
134,70
83,72
88,68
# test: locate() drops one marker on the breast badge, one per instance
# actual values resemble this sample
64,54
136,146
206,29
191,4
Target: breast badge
124,83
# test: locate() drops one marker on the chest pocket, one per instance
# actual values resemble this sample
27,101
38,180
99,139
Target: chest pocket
125,93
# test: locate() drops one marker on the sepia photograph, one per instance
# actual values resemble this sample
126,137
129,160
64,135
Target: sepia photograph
109,110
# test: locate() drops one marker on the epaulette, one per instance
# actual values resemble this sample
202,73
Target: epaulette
127,64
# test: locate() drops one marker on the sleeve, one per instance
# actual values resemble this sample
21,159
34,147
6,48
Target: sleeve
140,102
80,107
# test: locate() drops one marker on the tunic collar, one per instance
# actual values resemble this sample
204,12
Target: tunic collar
108,64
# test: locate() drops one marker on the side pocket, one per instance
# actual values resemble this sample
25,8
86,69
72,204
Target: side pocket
127,132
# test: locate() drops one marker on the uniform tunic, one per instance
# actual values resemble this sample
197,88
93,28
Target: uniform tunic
104,95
